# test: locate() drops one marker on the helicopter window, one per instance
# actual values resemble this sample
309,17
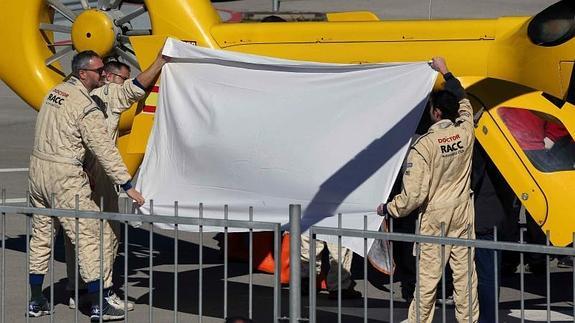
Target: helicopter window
543,138
554,25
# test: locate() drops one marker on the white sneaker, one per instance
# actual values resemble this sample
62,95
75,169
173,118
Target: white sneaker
448,301
82,299
118,303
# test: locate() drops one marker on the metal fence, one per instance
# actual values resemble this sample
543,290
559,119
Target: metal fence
126,218
295,310
443,241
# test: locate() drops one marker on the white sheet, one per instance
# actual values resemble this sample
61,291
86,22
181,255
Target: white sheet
246,130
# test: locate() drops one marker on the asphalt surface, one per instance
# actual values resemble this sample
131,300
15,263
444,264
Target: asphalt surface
16,138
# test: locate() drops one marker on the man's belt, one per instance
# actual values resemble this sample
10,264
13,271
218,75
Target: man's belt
449,203
55,158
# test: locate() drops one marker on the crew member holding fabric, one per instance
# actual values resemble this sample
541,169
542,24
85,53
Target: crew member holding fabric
115,97
437,181
70,121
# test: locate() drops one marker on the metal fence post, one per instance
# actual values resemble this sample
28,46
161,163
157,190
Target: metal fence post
176,270
312,276
226,263
339,270
151,267
365,292
277,273
548,278
295,263
4,259
28,292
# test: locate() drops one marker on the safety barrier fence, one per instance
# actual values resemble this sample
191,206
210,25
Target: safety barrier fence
126,218
295,311
495,246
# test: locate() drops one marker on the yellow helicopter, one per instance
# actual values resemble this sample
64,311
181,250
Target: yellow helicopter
516,70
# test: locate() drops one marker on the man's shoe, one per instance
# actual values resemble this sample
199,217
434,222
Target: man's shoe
107,312
537,268
349,293
82,299
71,303
114,300
565,262
39,307
448,300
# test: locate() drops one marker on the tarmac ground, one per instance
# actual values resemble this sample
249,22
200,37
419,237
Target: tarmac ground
16,137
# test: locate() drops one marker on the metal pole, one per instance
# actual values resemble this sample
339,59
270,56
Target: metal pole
295,263
101,282
126,246
76,257
469,276
276,5
151,266
28,216
251,265
52,228
201,264
548,276
443,275
226,263
496,275
417,280
277,273
3,259
522,275
365,295
312,277
339,270
176,237
391,278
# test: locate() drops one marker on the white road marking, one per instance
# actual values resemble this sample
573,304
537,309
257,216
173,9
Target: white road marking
16,200
541,316
537,316
13,170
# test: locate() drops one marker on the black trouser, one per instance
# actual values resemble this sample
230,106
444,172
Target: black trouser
403,256
486,284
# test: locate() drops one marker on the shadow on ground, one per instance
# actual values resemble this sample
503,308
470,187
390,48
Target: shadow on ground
238,286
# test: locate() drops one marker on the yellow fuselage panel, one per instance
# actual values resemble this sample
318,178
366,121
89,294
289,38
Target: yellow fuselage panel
22,65
515,58
376,31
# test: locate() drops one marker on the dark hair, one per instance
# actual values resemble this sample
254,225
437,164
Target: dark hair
273,18
238,319
447,103
82,61
115,66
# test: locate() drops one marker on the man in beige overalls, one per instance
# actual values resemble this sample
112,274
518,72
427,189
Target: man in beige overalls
70,121
115,97
437,181
332,282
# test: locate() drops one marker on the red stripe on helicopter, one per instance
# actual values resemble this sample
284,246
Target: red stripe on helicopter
149,109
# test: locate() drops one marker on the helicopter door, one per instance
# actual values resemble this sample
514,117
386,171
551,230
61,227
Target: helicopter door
528,139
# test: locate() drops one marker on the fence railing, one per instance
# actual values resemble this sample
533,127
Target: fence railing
443,241
295,311
126,219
